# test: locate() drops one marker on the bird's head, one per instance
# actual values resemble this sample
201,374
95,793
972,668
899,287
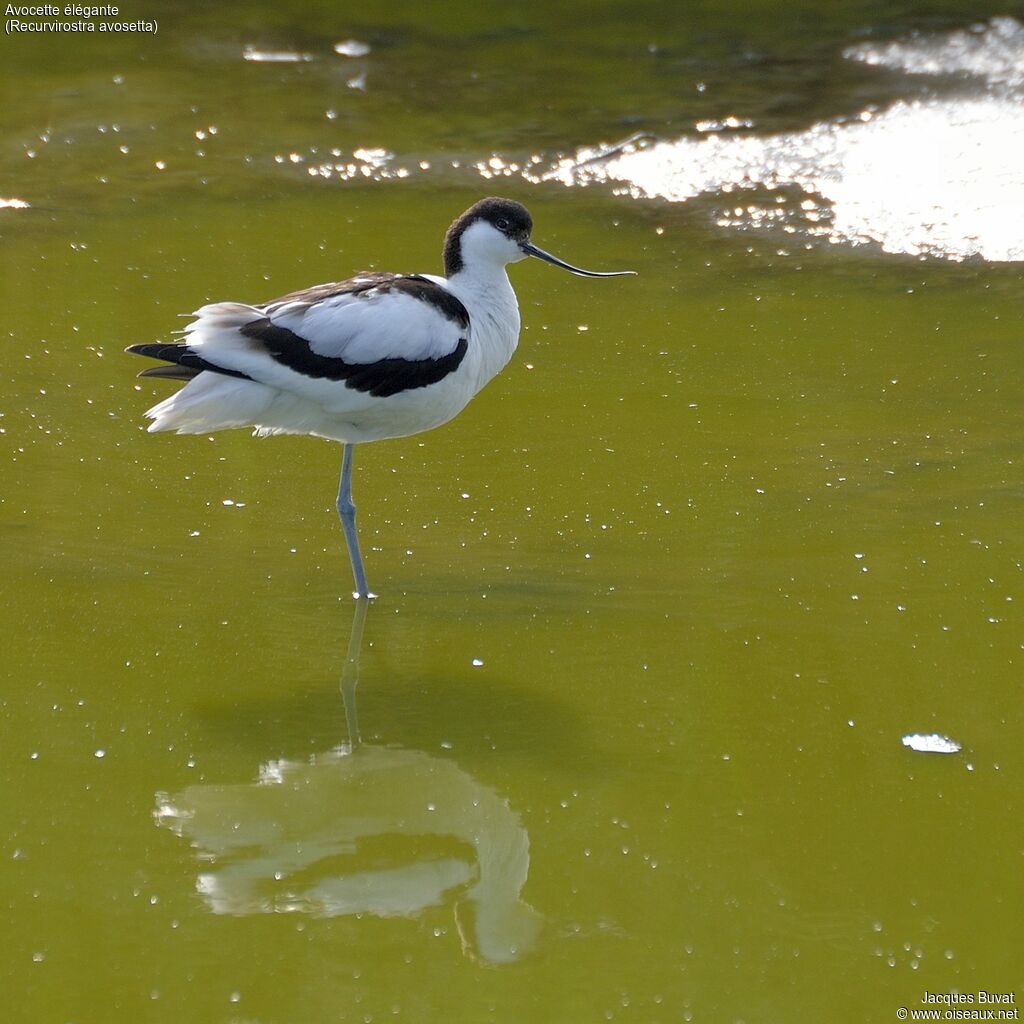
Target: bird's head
497,231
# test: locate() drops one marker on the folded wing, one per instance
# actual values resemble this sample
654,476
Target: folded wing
379,334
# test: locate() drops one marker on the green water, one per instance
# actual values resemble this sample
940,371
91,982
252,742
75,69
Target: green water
655,611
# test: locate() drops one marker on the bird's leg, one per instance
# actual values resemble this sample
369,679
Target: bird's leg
347,512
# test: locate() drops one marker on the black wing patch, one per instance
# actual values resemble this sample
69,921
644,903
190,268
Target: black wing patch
381,378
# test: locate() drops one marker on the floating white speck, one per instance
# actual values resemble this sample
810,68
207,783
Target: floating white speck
274,56
100,753
933,743
352,48
477,662
14,204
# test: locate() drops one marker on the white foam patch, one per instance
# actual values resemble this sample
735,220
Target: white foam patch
932,743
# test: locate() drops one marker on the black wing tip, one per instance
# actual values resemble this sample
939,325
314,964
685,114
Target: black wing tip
172,371
157,350
185,363
171,368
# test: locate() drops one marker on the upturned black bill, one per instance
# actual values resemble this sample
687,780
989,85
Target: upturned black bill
531,250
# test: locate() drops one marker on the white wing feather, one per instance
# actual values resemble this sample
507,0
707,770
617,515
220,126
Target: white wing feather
370,326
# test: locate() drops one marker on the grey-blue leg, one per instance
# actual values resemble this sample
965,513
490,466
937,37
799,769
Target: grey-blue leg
347,512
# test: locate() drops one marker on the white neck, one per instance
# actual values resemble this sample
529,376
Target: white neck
486,292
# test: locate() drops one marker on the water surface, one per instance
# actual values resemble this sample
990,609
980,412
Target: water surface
657,611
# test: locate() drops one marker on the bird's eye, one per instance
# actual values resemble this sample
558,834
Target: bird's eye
502,225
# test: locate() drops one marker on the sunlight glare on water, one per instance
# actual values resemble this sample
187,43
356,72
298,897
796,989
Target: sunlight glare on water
939,176
992,52
934,176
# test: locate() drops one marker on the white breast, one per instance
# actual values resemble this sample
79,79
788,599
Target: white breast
494,315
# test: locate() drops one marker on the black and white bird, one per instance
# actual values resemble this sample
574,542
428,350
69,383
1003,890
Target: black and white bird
376,356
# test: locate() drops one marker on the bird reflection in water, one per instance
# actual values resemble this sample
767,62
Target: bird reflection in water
362,829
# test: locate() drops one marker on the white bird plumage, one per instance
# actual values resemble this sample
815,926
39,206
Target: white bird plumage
372,357
357,328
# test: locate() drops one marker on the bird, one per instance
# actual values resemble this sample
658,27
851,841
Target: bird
379,355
